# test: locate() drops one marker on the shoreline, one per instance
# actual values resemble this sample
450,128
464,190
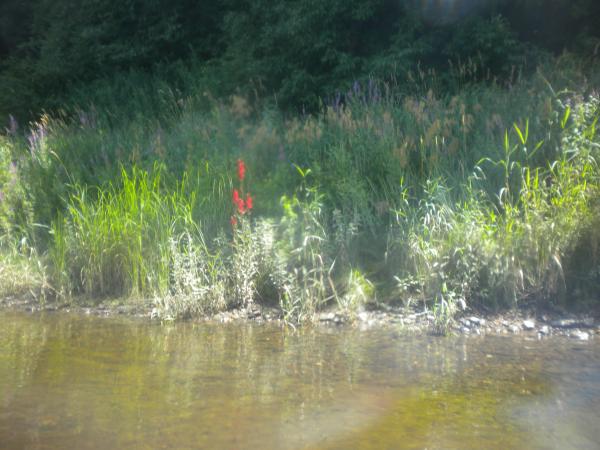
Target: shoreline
514,322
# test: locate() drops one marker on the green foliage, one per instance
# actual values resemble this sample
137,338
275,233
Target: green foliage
491,42
118,242
507,244
301,50
244,263
295,53
198,280
555,24
304,271
14,27
78,42
23,274
16,212
479,197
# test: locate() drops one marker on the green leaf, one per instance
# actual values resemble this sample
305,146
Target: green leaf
536,148
566,115
522,138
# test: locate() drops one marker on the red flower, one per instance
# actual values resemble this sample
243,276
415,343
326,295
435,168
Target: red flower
239,202
241,167
241,206
233,221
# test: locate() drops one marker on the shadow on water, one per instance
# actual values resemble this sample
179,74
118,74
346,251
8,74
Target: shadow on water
74,382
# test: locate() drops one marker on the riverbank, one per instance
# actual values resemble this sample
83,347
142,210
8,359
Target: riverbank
527,322
485,198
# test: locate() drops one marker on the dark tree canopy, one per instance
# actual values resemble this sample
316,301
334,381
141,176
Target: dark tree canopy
299,50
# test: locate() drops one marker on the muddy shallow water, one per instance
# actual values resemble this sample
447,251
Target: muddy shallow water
70,381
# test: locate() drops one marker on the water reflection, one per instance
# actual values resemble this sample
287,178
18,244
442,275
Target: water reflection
86,383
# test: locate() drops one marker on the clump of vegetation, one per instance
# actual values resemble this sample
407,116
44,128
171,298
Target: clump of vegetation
116,241
507,239
485,196
22,272
198,280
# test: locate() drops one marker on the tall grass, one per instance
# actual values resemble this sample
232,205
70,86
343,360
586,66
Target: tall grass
116,241
485,197
508,239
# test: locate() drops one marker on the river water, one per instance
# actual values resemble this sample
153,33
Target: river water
69,381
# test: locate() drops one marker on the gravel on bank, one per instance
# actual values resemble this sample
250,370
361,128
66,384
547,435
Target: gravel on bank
512,322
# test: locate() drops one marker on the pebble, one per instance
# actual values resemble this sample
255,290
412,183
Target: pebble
579,328
580,335
573,323
327,317
363,316
254,313
528,324
514,329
